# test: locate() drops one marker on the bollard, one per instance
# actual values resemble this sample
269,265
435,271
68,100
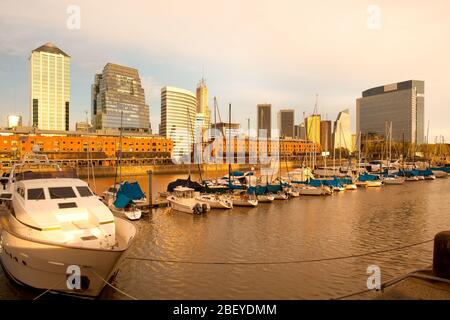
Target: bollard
150,188
441,255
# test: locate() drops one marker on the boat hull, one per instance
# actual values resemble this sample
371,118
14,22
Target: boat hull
47,266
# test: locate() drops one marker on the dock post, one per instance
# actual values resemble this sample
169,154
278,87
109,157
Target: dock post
441,255
150,188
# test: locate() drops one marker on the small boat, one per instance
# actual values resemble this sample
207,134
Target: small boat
183,200
216,201
339,188
311,191
393,180
351,186
374,184
412,178
430,177
265,198
281,195
440,174
125,199
421,177
52,224
360,183
242,199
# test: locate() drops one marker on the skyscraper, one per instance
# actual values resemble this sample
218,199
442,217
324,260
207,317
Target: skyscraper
313,128
402,103
286,123
178,116
325,135
202,104
118,89
342,131
264,118
50,88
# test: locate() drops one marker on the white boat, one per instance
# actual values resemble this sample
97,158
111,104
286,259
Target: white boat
440,174
393,180
412,178
351,186
216,201
242,199
265,198
311,191
341,188
421,177
53,225
281,195
183,200
132,210
430,177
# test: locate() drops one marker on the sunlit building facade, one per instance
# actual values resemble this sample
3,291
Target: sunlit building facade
178,117
401,103
313,128
342,131
50,88
118,100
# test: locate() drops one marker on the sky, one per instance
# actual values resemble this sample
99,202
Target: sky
282,52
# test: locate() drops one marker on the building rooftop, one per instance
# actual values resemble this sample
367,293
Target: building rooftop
50,48
405,85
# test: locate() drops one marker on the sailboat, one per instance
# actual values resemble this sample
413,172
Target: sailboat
122,199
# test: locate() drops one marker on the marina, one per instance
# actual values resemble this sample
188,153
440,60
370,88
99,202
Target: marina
198,256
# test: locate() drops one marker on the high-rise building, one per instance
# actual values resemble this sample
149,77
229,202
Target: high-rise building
13,121
202,104
118,100
178,116
302,131
342,131
50,88
313,128
286,123
325,135
400,103
227,129
264,118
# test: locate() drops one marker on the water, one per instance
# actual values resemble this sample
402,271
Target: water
346,223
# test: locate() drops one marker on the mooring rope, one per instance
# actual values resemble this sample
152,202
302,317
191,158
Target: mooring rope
279,262
114,287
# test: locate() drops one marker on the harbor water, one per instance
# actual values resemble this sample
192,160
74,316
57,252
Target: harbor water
304,228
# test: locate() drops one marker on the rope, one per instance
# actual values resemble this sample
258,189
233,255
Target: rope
114,287
279,262
393,281
49,289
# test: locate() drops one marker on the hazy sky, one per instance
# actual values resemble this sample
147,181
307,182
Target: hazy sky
252,51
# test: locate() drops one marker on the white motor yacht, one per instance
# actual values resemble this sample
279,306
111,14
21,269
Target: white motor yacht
183,199
55,233
216,201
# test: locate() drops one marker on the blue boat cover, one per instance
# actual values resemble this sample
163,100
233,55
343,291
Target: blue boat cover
368,177
425,173
445,169
127,193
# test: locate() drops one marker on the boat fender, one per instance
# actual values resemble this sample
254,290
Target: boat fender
204,207
198,208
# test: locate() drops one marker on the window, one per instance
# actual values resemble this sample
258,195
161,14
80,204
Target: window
84,191
36,194
61,193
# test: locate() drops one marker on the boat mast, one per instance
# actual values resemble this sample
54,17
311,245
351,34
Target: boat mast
229,143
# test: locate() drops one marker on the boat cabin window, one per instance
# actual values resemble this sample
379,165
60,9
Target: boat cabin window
21,192
61,193
84,191
36,194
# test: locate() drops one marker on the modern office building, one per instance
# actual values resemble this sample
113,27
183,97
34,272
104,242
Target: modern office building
286,123
313,128
178,116
325,136
342,131
13,121
264,118
118,100
50,88
402,103
83,126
